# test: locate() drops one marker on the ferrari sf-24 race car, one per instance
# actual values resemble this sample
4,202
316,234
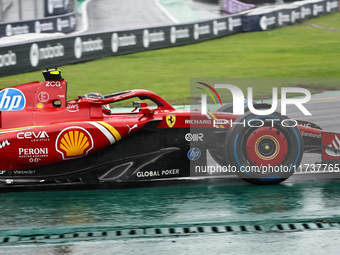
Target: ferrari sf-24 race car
47,140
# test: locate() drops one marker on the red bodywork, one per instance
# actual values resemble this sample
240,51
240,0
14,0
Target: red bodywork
49,129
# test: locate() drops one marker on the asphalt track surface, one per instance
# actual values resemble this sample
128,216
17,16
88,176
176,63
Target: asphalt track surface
215,216
107,15
102,15
305,198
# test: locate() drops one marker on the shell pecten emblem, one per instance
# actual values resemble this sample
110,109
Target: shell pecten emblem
73,142
170,120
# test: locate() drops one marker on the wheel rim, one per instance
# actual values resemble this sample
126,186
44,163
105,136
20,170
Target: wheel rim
266,146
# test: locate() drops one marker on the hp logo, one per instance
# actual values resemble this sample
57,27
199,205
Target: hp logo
12,100
194,153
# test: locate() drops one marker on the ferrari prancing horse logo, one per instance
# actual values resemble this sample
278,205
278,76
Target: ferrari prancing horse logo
170,120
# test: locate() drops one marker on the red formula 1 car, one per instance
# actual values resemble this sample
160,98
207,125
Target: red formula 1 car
46,140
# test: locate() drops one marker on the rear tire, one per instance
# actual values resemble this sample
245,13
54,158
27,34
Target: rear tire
267,154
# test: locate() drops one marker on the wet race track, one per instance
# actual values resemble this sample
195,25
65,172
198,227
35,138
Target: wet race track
121,15
167,219
223,216
300,215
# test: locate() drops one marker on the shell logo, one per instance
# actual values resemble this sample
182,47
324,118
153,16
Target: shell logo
73,142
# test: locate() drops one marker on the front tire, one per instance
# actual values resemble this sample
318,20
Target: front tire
265,149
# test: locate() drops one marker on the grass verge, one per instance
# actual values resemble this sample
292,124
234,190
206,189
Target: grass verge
295,51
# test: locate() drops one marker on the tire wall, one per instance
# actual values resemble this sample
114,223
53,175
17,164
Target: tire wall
62,24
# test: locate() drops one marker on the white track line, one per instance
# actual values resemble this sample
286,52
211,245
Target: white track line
85,18
165,11
321,27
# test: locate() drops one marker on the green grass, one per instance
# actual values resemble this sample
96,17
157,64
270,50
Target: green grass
331,20
295,51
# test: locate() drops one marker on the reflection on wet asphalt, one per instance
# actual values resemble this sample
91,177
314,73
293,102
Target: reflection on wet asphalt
170,205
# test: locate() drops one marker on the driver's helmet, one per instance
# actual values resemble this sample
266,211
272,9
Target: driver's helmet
100,96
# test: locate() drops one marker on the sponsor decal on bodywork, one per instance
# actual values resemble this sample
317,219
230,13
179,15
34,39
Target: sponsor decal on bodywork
309,134
331,146
12,100
194,154
54,84
133,127
194,137
197,122
73,142
43,96
37,136
170,120
157,173
33,152
4,143
72,108
23,172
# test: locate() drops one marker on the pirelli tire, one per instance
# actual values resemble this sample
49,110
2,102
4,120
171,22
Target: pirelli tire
266,154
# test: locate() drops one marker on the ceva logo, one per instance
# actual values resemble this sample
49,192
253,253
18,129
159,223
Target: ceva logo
12,100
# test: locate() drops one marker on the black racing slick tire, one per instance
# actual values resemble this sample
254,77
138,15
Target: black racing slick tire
264,149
